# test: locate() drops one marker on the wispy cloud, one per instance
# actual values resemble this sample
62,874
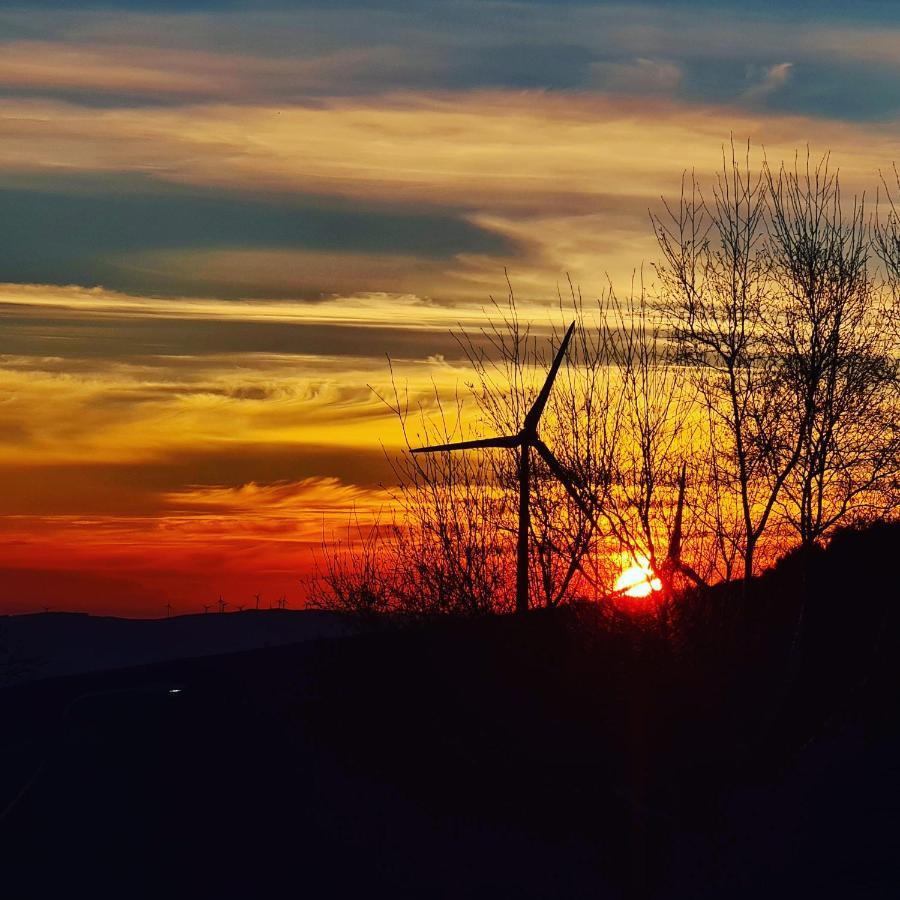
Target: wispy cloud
489,149
300,53
638,76
169,74
766,81
312,497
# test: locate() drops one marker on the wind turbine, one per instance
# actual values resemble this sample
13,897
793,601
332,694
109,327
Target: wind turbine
526,440
673,562
169,610
257,600
205,608
222,605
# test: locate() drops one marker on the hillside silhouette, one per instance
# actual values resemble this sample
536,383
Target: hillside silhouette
744,745
50,645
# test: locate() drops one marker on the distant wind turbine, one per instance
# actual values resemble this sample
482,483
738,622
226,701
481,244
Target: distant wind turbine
673,562
222,605
257,600
206,607
526,439
169,610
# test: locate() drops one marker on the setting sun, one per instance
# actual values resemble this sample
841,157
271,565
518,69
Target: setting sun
639,579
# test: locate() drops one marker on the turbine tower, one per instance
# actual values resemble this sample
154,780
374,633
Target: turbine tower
526,440
673,562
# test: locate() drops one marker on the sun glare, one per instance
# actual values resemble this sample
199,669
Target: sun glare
639,579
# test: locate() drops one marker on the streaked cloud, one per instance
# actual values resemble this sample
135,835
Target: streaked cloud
299,52
159,73
489,176
640,76
322,496
130,233
487,150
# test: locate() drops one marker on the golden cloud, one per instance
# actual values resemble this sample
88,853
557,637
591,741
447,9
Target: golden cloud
125,68
491,151
311,497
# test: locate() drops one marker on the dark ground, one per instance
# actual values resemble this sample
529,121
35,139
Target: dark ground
749,749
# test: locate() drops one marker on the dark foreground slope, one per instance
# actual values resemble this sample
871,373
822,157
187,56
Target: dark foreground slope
748,748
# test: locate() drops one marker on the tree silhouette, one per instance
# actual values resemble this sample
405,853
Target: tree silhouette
746,403
835,358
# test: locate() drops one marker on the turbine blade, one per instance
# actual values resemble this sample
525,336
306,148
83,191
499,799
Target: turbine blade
507,441
686,570
557,469
534,414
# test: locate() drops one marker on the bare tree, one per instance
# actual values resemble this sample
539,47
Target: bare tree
450,535
613,486
351,574
716,297
442,547
619,423
752,404
454,536
645,502
833,355
509,361
887,243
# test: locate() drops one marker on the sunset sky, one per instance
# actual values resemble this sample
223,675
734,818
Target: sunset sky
217,218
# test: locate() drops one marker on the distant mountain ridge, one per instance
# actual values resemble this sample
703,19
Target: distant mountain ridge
50,645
